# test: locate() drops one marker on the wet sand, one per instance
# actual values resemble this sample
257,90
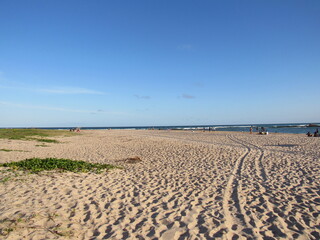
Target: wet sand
188,185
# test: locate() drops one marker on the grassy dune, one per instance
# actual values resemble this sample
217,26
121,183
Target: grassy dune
41,135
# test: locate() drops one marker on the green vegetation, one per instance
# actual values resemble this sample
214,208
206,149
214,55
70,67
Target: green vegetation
6,231
6,150
9,225
9,174
5,179
10,150
35,165
22,222
34,134
46,140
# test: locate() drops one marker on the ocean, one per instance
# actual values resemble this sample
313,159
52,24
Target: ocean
297,128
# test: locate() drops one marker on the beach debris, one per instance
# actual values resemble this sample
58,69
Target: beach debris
132,160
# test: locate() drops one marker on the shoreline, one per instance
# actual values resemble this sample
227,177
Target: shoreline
294,128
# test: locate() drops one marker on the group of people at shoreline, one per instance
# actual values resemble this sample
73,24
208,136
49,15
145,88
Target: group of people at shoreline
315,134
75,129
262,130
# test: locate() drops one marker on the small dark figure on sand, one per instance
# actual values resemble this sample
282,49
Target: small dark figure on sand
316,133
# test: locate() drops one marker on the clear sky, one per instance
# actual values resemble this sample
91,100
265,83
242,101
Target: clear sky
158,62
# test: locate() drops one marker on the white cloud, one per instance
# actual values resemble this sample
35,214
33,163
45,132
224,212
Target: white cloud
142,97
40,107
185,47
27,106
54,90
187,96
69,90
198,84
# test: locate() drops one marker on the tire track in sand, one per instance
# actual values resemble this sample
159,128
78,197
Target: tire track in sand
258,161
278,225
240,220
236,220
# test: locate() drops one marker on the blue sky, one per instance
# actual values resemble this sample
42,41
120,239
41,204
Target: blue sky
138,63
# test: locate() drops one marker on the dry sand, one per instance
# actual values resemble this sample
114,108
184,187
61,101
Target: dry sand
189,185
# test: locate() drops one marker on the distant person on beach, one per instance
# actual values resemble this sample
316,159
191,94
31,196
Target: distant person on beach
309,134
263,131
250,130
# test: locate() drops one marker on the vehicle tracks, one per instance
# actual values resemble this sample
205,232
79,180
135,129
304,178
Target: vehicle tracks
258,161
266,215
235,217
248,199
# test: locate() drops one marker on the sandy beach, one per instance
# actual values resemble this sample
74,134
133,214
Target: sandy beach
188,185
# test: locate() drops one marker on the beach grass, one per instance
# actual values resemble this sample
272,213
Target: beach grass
10,150
5,179
6,150
22,221
40,135
36,165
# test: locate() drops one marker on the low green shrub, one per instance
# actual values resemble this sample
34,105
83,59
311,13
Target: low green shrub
35,165
6,150
10,150
46,140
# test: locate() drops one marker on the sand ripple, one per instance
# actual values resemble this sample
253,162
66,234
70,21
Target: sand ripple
188,185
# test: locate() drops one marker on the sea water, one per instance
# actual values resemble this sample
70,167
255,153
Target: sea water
298,128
